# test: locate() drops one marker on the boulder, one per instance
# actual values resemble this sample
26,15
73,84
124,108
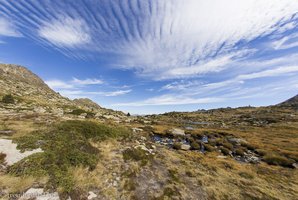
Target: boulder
177,132
185,147
39,194
91,195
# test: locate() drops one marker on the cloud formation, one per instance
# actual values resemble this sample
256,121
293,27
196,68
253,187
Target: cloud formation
8,29
81,88
65,32
170,38
183,52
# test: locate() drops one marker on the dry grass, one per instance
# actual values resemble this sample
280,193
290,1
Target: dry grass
18,184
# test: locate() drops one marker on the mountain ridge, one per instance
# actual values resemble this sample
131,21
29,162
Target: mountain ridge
31,92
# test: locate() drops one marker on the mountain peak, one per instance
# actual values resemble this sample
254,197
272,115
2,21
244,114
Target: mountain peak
292,102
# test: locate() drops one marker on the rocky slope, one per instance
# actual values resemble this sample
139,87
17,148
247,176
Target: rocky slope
32,95
292,102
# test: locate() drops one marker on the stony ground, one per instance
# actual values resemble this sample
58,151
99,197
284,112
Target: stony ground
141,167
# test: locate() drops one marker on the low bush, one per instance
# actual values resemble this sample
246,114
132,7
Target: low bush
65,145
81,111
273,159
239,152
246,175
189,173
261,152
137,154
195,146
174,175
209,147
228,145
248,146
8,99
177,146
219,142
225,151
2,158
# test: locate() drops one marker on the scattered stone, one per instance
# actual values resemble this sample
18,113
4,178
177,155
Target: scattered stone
40,110
115,183
91,195
222,157
185,147
39,194
7,132
205,139
236,140
143,138
177,132
137,130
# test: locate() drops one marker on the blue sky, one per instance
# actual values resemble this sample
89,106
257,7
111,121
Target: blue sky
147,56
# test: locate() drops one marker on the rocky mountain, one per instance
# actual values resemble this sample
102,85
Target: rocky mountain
24,84
87,103
32,94
292,102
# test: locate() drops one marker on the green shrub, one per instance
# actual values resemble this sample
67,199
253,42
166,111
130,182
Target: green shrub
248,146
278,160
225,151
174,175
2,158
209,147
189,173
195,146
261,152
81,111
246,175
177,146
134,154
8,99
219,142
65,145
170,192
239,152
228,145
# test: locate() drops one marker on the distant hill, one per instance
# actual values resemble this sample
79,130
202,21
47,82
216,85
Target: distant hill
292,102
87,103
31,92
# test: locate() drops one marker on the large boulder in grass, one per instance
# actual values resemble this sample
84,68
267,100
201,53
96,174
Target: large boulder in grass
185,147
177,132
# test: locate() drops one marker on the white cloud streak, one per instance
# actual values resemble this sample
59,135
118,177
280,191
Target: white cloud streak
8,29
79,88
87,81
171,100
66,32
58,84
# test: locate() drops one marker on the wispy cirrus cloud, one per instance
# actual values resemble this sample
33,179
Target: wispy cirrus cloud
80,88
7,28
88,81
171,100
65,32
159,40
286,42
182,52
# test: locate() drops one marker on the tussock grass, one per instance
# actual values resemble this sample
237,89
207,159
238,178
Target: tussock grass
65,145
17,184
